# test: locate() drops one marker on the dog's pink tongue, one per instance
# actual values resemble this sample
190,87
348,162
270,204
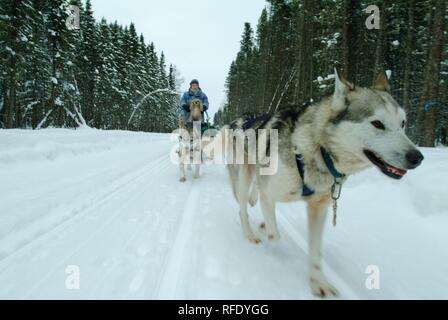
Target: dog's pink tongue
397,171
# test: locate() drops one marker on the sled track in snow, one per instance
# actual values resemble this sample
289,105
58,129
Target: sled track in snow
172,283
125,181
139,230
156,165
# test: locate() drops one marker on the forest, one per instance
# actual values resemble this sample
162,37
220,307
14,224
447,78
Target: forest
101,74
107,76
289,58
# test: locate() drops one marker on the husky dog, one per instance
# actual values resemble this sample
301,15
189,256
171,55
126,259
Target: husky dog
319,146
190,139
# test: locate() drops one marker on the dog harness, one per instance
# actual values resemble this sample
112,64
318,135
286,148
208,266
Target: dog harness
306,191
336,188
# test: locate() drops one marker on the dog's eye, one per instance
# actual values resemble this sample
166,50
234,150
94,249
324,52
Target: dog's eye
378,124
403,124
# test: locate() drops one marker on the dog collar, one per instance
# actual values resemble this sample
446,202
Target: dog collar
330,164
336,188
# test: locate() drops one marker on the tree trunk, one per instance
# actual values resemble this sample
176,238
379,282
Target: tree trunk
410,48
443,136
304,63
381,44
9,123
348,64
5,105
429,106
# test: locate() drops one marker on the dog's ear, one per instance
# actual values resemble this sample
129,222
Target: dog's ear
341,88
342,85
381,82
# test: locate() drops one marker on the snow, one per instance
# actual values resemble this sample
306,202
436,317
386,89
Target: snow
321,79
69,86
58,102
388,74
109,204
11,51
332,41
396,43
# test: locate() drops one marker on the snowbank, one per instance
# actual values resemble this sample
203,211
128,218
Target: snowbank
50,144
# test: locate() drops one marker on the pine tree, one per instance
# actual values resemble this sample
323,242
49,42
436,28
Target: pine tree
52,75
87,62
262,59
15,31
107,75
299,42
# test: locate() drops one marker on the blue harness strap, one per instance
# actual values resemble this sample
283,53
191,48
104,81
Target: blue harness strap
330,164
307,191
250,120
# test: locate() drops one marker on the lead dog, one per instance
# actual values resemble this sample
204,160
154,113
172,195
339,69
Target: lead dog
319,146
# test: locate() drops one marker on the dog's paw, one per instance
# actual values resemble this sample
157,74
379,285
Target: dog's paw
271,236
262,228
253,201
252,238
183,179
321,288
274,237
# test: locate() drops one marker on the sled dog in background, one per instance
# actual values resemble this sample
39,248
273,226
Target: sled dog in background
190,140
319,146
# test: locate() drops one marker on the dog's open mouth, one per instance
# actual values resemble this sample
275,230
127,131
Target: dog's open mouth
387,169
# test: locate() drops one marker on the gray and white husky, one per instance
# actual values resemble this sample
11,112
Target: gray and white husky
319,146
189,149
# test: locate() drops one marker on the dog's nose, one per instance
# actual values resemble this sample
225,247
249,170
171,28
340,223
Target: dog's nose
414,158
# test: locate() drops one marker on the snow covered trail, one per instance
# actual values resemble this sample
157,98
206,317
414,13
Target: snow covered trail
110,204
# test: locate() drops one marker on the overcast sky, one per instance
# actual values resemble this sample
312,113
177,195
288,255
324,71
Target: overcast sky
200,37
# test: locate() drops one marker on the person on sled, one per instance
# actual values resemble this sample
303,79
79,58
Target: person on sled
195,92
